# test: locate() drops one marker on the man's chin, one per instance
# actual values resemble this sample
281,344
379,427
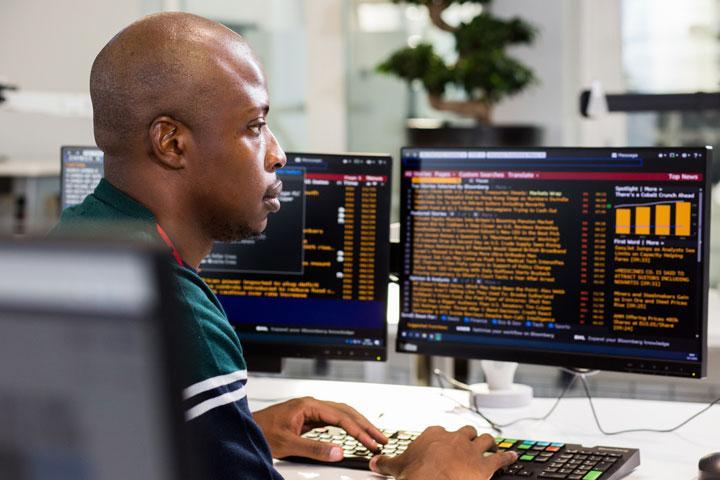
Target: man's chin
234,233
259,228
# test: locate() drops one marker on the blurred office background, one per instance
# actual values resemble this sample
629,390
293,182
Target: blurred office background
320,58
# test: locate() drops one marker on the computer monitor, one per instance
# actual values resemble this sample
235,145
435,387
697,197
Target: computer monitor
88,370
314,284
580,257
81,171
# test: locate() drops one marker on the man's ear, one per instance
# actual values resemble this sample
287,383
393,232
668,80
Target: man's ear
168,142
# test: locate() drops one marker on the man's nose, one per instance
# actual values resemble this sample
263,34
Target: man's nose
275,157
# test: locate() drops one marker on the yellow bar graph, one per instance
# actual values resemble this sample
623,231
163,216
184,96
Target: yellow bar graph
682,219
622,221
642,221
662,220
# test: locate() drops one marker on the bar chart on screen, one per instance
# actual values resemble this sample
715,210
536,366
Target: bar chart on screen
671,218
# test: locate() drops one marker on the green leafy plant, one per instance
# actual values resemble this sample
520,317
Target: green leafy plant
483,69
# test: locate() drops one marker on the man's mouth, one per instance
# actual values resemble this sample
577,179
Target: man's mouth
271,198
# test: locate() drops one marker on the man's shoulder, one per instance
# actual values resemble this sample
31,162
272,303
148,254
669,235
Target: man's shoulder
209,336
81,215
95,219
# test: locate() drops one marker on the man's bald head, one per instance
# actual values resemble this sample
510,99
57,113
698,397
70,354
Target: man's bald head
181,109
173,64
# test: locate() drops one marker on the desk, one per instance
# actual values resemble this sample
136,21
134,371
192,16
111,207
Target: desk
663,456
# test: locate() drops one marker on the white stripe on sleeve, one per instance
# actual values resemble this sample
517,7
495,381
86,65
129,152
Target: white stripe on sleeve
218,401
214,382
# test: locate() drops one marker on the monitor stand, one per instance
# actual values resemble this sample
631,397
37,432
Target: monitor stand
499,391
263,363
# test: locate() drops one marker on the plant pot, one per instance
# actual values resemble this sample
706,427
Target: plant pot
443,135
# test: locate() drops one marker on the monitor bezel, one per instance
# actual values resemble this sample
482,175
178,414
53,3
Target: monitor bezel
575,360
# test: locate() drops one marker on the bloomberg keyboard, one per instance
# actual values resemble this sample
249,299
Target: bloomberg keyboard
536,459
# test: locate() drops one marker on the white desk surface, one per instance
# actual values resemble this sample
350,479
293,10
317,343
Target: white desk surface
671,456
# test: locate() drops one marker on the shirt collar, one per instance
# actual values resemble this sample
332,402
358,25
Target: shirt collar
107,193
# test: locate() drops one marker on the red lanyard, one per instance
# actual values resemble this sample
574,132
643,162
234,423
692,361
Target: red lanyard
170,244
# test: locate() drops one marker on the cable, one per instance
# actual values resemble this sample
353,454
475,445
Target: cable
462,386
495,428
552,409
455,383
494,425
583,380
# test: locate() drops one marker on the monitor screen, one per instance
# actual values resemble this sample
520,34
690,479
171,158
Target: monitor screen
84,383
314,284
579,257
81,171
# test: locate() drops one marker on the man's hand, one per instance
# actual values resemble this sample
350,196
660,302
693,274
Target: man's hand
283,424
441,455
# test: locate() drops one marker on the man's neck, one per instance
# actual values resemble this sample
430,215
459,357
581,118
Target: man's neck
183,230
185,237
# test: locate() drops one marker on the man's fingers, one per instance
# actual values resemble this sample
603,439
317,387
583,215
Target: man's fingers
501,459
332,414
304,447
468,431
385,465
364,423
354,430
485,442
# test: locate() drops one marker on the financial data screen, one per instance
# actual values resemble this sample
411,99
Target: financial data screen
315,282
82,168
591,257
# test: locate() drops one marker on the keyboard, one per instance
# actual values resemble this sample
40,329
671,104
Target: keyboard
536,459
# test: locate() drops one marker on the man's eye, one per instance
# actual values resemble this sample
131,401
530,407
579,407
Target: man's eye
256,128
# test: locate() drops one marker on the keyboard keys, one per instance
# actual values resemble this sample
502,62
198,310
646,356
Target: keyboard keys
536,459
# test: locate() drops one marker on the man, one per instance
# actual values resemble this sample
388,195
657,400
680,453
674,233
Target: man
180,111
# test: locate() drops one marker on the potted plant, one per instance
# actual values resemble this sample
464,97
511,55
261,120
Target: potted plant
483,71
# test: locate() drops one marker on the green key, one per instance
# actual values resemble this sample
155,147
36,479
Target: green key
524,446
592,475
530,458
